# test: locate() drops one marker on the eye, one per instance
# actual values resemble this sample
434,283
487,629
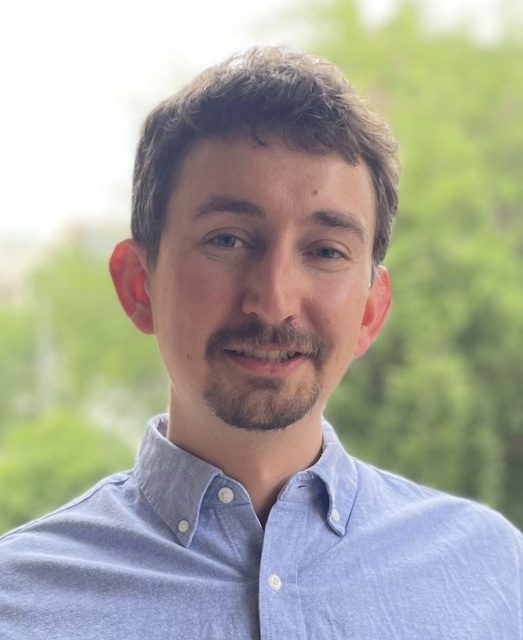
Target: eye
227,241
328,254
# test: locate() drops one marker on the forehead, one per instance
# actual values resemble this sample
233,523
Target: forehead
287,183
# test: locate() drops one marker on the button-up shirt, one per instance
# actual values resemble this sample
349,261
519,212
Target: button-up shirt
173,549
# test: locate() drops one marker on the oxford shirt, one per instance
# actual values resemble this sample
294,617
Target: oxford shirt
173,549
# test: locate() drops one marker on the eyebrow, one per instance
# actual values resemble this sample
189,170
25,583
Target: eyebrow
220,204
341,220
327,218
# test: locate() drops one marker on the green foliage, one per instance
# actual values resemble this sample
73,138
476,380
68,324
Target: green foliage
46,462
17,357
439,398
70,358
97,343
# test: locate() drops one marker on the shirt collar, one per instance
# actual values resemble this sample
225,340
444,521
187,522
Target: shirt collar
175,482
338,471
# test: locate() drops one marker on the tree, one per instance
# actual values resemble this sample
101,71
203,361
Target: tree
77,385
17,355
48,461
100,353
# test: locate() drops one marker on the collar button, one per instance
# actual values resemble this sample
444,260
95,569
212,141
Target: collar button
225,495
183,526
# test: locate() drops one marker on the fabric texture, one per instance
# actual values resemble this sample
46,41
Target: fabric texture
173,549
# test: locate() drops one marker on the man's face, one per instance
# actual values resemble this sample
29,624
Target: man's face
261,294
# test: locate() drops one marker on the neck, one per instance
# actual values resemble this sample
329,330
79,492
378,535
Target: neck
261,461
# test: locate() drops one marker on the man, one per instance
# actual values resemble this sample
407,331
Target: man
263,198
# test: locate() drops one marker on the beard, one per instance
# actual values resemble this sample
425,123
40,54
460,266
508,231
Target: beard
260,407
263,404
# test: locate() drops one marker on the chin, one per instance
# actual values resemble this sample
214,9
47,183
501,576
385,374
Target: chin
270,408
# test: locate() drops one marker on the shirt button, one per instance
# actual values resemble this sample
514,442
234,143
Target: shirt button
183,526
335,515
225,495
274,582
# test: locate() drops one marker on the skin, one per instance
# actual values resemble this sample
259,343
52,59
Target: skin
296,251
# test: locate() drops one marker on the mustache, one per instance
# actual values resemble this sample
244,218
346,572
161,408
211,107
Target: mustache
286,336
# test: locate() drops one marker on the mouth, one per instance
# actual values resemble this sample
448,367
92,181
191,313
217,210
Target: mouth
266,355
266,362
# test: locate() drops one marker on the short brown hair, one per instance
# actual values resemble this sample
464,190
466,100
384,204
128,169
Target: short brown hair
305,100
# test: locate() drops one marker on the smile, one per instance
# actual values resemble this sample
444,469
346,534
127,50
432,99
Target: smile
265,355
267,362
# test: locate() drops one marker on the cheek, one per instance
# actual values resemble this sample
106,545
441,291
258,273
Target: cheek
192,305
340,304
339,309
205,290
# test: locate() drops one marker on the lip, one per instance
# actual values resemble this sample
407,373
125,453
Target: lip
265,347
269,369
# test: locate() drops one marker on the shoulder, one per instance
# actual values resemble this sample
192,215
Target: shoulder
92,507
436,519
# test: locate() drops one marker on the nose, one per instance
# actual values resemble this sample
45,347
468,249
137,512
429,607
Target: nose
273,288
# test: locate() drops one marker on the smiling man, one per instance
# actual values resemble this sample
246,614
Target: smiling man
264,193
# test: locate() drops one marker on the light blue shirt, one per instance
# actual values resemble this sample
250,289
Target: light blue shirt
174,550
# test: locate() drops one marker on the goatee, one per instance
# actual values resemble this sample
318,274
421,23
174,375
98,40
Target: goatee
260,403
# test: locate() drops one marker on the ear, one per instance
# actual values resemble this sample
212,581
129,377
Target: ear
376,311
128,267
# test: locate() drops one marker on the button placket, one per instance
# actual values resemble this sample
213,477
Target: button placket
279,602
274,582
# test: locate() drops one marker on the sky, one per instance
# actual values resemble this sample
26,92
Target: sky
78,78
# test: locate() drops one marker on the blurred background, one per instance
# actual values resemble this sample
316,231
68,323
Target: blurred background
439,398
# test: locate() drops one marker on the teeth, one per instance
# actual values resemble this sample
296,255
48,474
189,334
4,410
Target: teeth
267,355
